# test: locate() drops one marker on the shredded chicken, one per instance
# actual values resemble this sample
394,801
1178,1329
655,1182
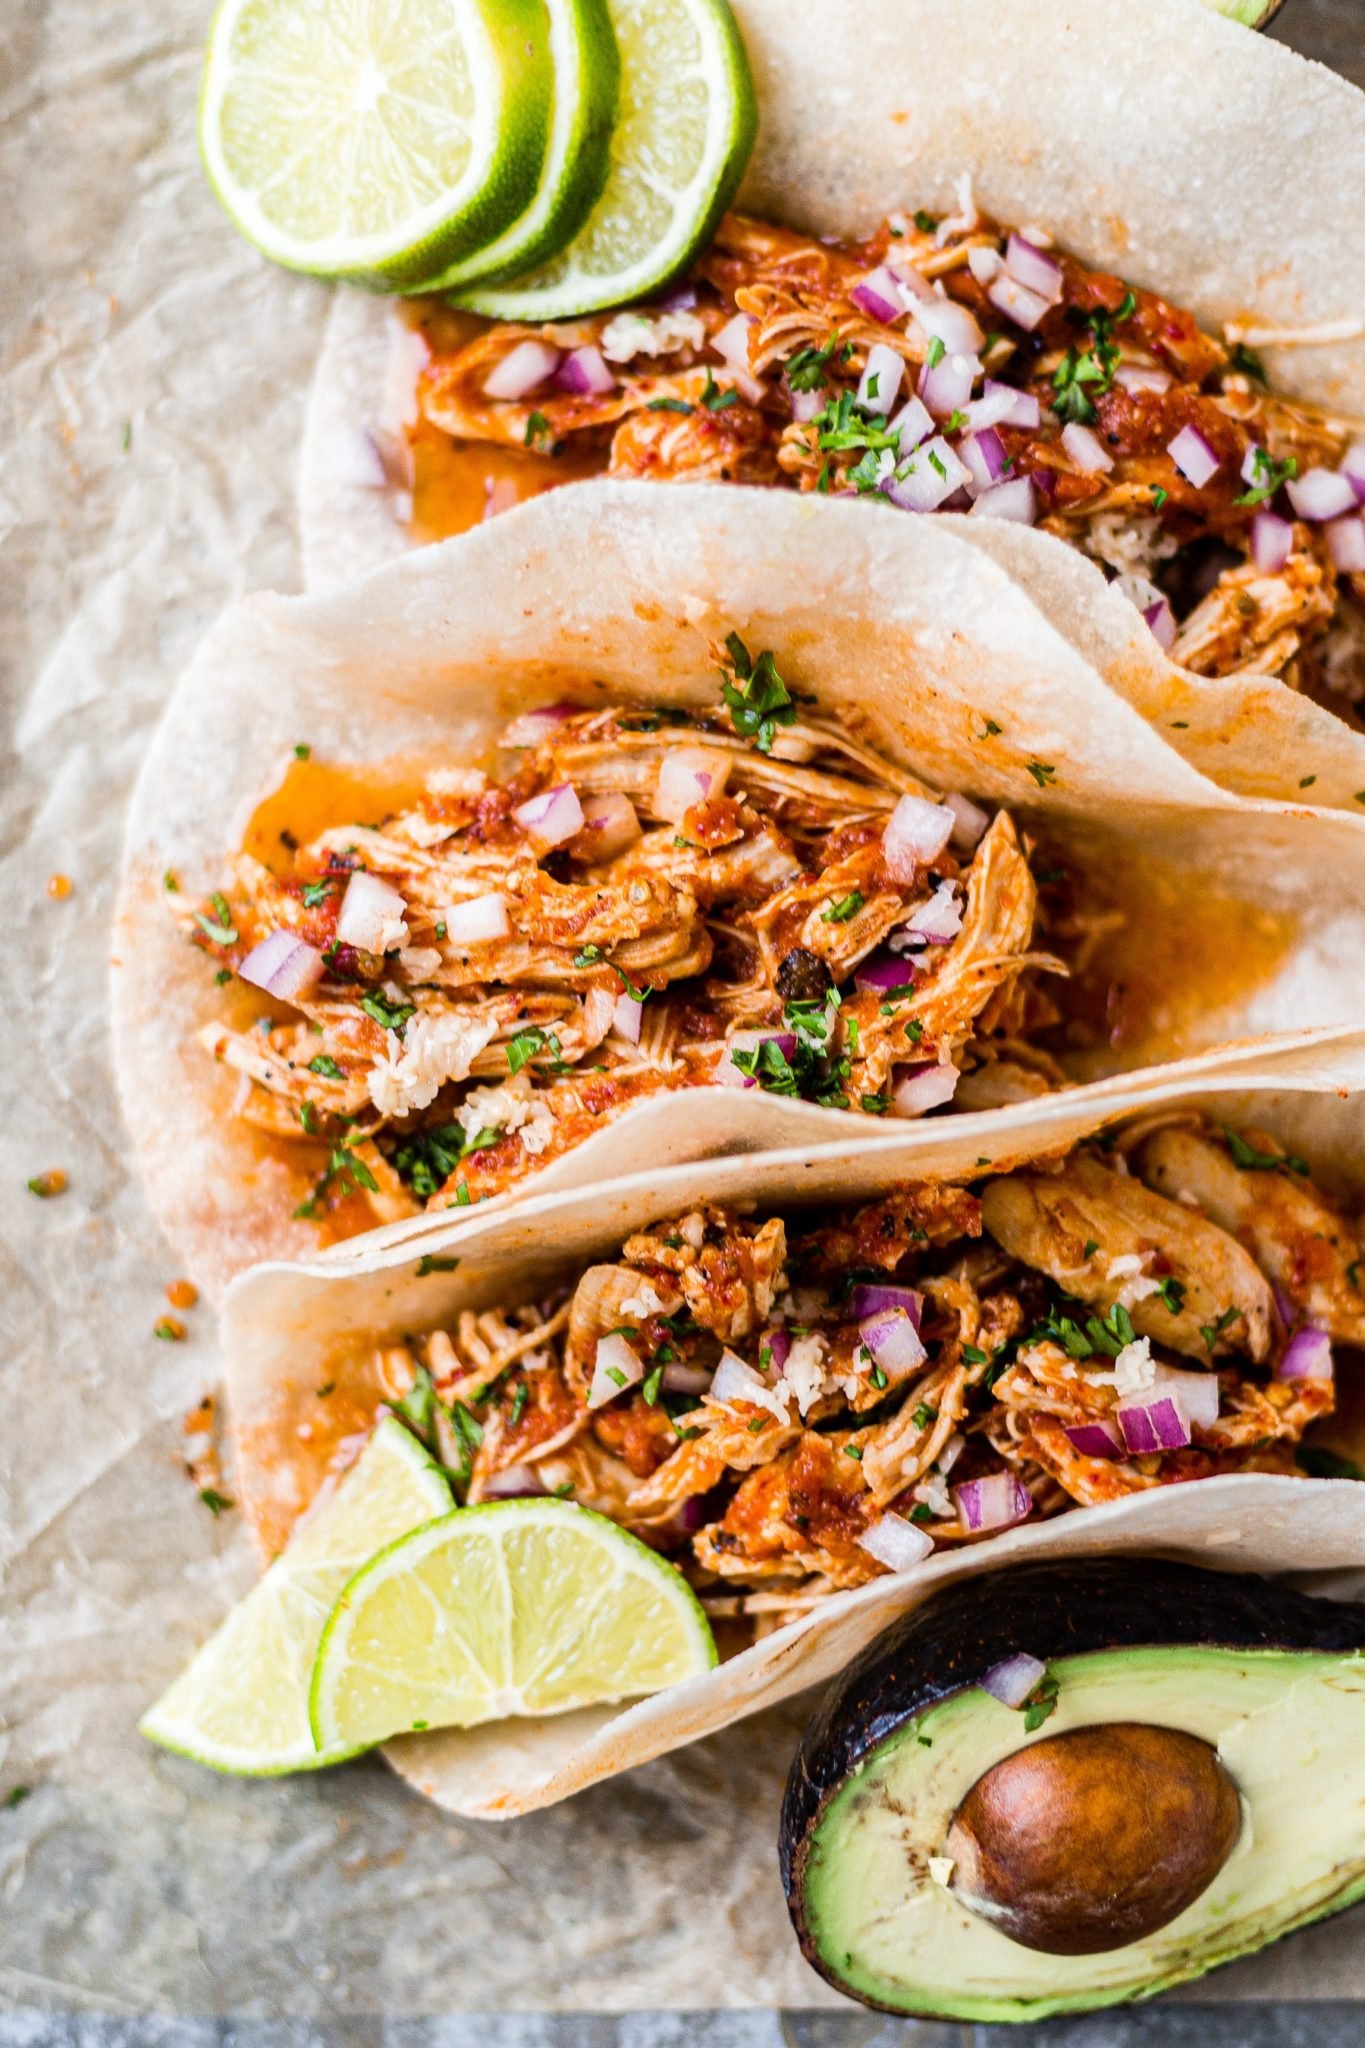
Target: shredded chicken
741,885
763,1483
690,403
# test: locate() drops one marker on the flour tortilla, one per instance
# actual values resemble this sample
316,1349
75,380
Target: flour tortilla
1234,197
289,1329
895,625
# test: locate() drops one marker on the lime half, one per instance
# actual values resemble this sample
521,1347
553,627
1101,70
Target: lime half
242,1705
518,1607
587,74
375,142
683,136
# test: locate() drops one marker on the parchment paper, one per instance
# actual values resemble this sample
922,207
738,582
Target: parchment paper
153,381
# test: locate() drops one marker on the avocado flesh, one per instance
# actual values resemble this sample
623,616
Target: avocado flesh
1252,13
1285,1724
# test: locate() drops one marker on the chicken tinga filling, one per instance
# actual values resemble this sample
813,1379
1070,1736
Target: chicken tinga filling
649,901
789,1408
953,365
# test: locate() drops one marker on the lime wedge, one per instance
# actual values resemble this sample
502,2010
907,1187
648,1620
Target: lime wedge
587,74
242,1704
376,143
683,136
517,1607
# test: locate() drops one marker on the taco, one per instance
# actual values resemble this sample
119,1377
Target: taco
822,1383
1022,318
539,878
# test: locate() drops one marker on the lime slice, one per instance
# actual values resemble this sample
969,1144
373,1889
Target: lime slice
587,74
377,143
242,1704
683,136
1253,13
516,1607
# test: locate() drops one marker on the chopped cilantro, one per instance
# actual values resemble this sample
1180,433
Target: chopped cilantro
323,1063
1247,361
214,1501
433,1262
16,1796
588,956
924,1415
1267,476
1090,1248
170,884
806,370
315,893
393,1016
1041,1702
1159,497
972,1355
302,751
1172,1292
1211,1332
651,1384
525,1046
519,1400
223,975
854,1451
937,351
992,729
879,1379
716,400
538,435
1250,1160
847,907
1042,772
219,927
925,222
758,699
921,1512
669,405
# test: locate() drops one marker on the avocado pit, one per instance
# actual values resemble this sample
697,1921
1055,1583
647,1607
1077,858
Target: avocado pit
1086,1841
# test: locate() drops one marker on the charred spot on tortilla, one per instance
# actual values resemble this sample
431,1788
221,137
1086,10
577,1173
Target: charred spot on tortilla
949,364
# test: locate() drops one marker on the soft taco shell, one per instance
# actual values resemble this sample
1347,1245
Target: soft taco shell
1232,200
895,624
289,1328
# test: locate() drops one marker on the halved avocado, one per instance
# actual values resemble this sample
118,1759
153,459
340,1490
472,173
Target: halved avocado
1193,1788
1253,13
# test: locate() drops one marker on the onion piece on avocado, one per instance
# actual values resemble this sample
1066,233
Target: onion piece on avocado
1185,1784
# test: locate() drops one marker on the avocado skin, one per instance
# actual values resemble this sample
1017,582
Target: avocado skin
1048,1610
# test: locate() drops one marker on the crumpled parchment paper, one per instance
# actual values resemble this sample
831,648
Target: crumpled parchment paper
154,373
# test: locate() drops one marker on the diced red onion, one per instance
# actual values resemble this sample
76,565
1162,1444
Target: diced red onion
878,295
913,423
877,1297
1197,1394
1086,450
729,1075
948,321
585,372
515,1482
609,827
283,965
1272,542
894,1341
923,1088
1284,1307
1025,308
927,478
1161,622
778,1344
370,912
939,920
992,409
1307,1356
689,775
1095,1439
533,728
685,1379
908,275
682,299
1015,500
552,817
1192,455
915,834
896,1543
1353,468
1157,1425
599,1012
984,263
736,1381
1034,269
1132,377
628,1017
805,405
946,387
1321,494
1012,1681
995,1503
1025,410
984,455
882,971
500,494
374,460
880,383
616,1366
969,820
477,919
732,343
522,370
1346,544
